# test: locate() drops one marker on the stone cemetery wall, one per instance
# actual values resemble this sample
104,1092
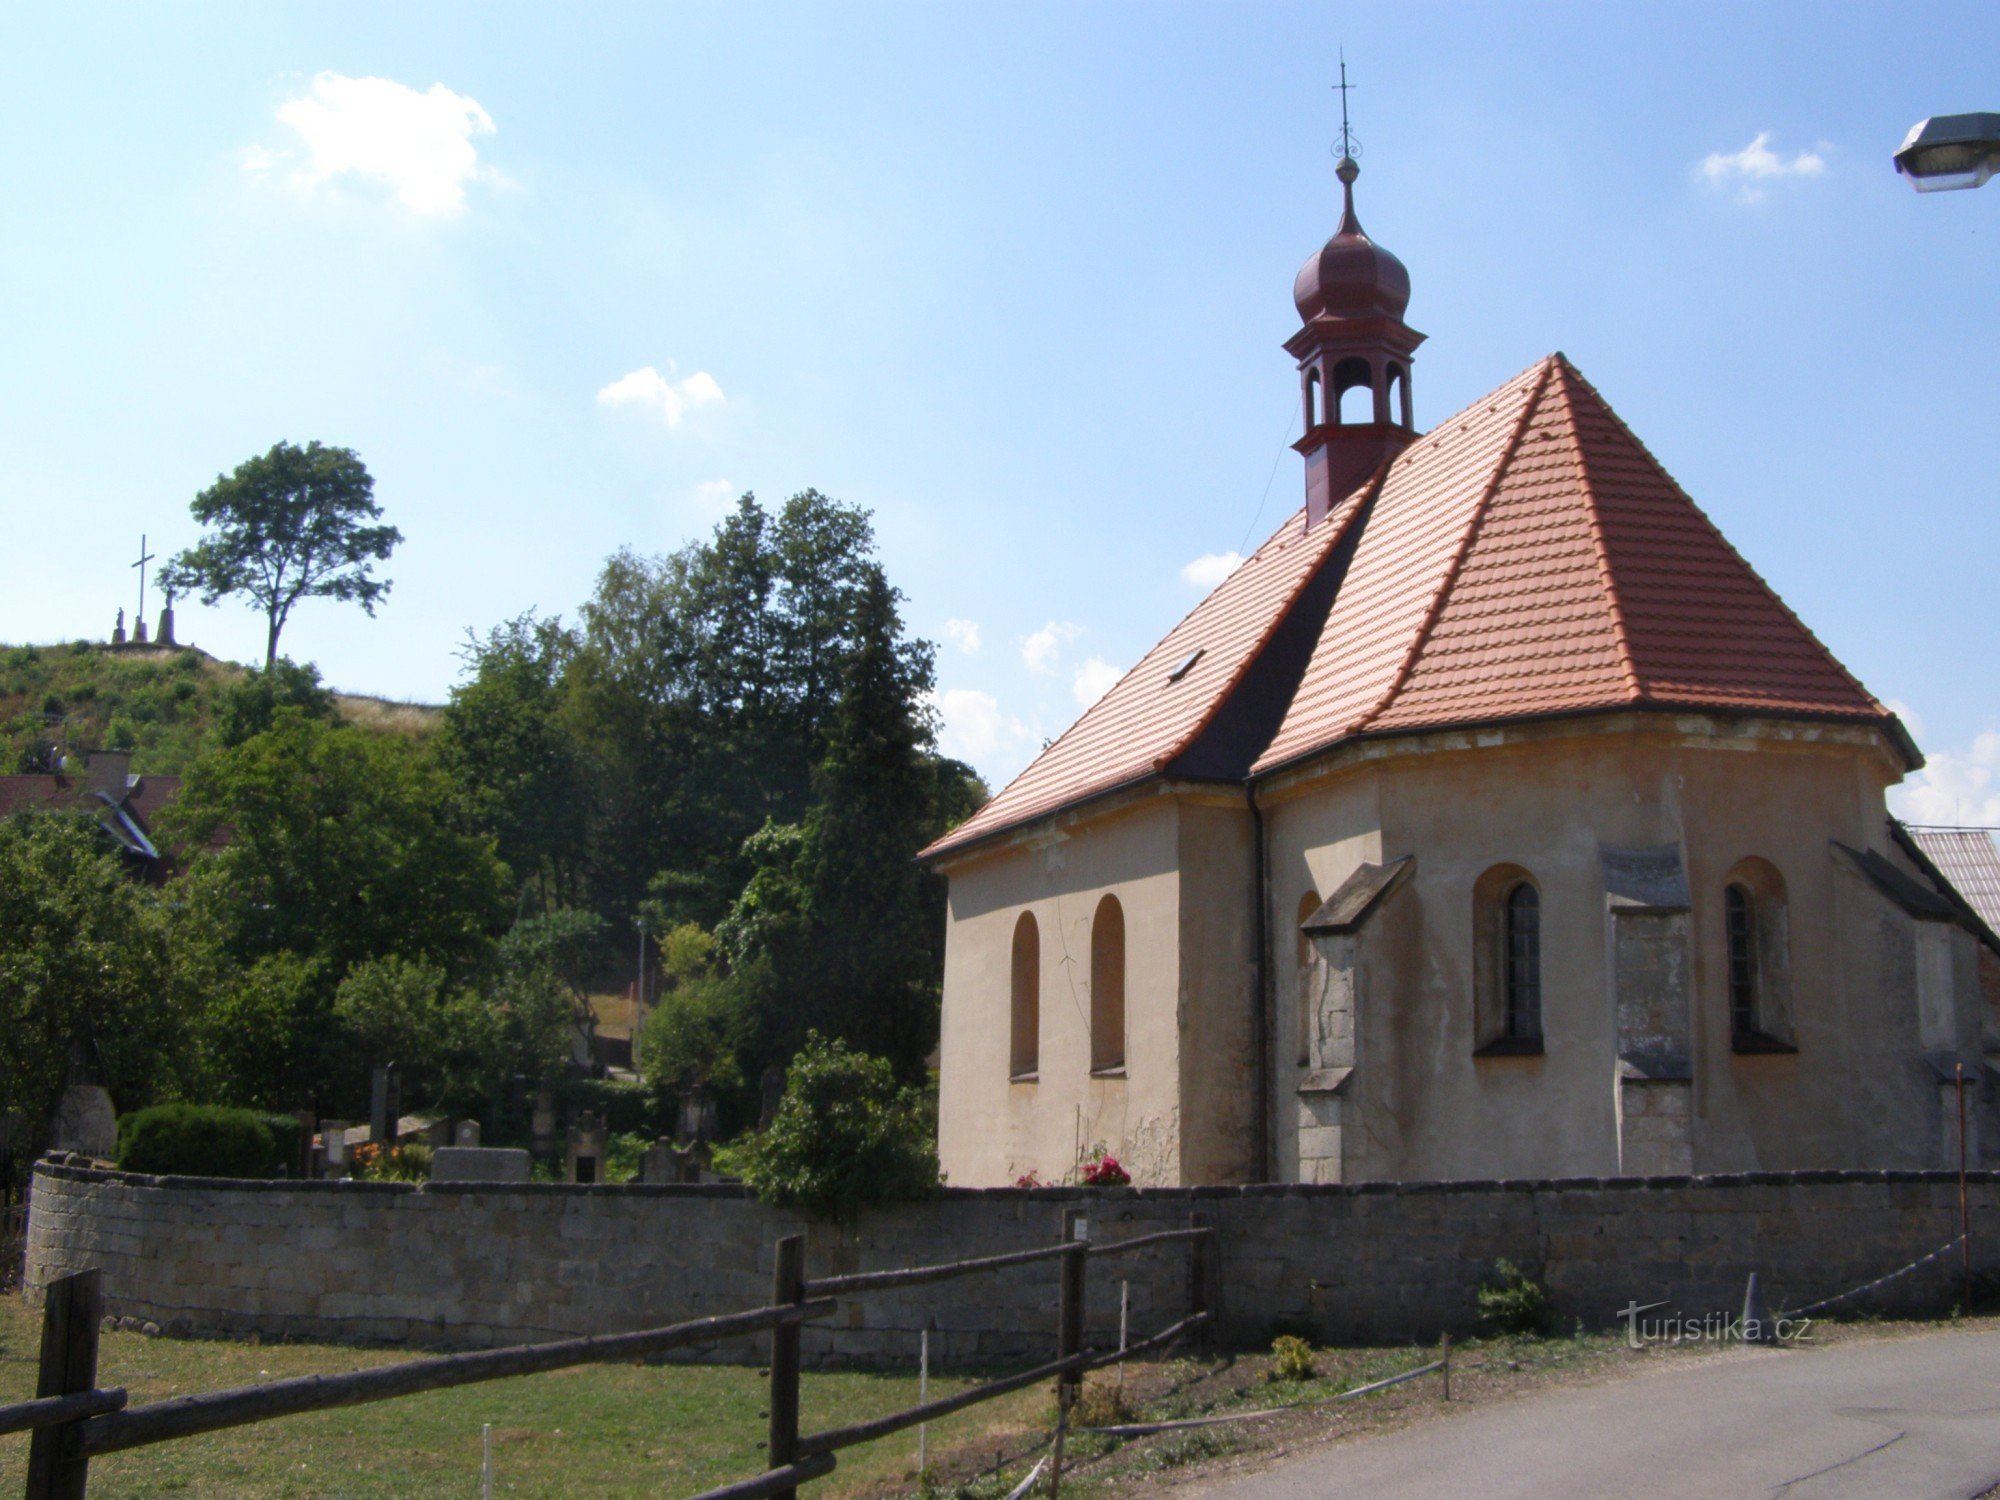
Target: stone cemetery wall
466,1264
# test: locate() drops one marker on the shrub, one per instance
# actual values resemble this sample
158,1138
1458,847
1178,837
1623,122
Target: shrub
406,1163
1510,1301
1292,1358
844,1137
1101,1403
207,1140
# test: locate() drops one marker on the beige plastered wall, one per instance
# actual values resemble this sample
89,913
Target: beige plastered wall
1181,862
1856,1092
991,1129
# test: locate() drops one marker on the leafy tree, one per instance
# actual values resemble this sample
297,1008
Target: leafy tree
519,767
248,707
342,846
84,973
844,1137
838,917
696,1033
290,524
266,1036
448,1044
562,945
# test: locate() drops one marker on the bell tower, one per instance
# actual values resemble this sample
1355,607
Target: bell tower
1353,351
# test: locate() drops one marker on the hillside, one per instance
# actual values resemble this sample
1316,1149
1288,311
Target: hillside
156,701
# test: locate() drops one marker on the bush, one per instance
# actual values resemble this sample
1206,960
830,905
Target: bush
207,1140
1512,1302
844,1137
1292,1358
405,1163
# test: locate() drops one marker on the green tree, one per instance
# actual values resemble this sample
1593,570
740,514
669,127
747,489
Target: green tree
840,921
844,1137
290,524
696,1033
342,846
84,973
448,1044
248,707
266,1036
508,745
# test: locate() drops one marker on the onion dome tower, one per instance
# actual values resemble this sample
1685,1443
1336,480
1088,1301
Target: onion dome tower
1351,295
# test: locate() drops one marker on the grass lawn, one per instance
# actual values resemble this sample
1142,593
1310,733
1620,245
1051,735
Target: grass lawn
604,1430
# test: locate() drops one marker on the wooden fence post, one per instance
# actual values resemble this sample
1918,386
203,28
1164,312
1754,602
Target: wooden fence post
70,1318
787,1285
1069,1331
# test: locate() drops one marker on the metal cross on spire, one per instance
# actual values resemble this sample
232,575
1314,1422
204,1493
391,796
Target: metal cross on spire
144,558
1349,147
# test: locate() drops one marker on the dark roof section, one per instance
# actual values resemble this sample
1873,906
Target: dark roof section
1356,898
1908,892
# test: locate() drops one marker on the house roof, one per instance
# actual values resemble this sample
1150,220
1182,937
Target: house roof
128,819
1526,558
1965,862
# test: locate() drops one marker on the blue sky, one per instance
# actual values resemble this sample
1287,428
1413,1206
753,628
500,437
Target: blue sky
1013,277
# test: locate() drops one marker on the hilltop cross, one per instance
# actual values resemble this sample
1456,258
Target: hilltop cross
144,558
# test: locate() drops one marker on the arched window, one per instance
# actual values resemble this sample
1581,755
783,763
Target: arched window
1523,962
1399,390
1756,958
1739,909
1307,961
1026,1007
1107,987
1315,400
1507,963
1349,377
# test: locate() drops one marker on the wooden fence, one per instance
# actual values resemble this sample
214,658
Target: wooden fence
73,1420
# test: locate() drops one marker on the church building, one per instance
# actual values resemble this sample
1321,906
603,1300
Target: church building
1493,819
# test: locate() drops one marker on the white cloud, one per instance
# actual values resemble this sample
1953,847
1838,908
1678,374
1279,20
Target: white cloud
1093,680
1206,571
1757,164
1955,786
964,634
715,497
973,728
1041,651
671,399
418,145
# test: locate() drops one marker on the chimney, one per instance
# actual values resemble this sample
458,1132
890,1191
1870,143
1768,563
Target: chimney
109,772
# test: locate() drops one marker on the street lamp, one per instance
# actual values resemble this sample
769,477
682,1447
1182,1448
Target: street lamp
1950,151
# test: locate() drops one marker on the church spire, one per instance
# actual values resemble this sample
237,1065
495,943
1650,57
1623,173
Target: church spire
1350,296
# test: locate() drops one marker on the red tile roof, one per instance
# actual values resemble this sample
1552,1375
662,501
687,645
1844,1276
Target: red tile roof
1526,558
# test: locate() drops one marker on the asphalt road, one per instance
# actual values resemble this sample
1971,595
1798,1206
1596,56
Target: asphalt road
1911,1418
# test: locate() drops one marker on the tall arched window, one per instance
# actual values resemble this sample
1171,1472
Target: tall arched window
1107,987
1757,958
1315,401
1026,1006
1307,959
1507,963
1739,915
1523,962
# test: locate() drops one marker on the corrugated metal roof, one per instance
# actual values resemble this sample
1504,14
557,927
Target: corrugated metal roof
1528,557
1968,859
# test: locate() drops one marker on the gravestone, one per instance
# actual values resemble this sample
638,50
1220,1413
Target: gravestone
385,1105
467,1133
584,1156
480,1164
84,1121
